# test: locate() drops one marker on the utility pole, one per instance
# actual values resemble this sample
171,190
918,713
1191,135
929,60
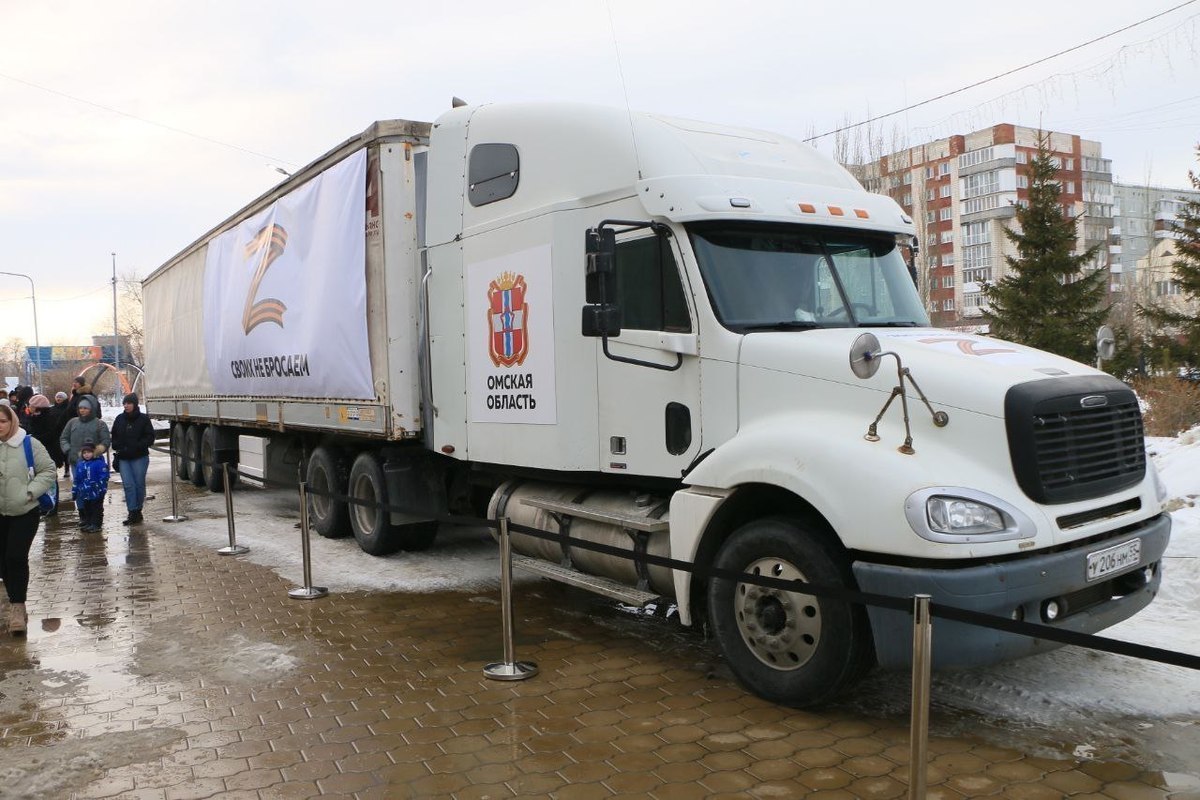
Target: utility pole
116,341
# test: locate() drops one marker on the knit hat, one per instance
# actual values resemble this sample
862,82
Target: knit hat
39,401
131,398
60,396
85,403
88,444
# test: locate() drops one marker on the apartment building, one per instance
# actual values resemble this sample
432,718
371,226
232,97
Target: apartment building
962,193
1142,238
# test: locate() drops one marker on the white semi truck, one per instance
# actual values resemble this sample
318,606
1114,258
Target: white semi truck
662,335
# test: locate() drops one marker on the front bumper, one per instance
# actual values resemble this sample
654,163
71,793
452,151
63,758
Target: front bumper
1000,589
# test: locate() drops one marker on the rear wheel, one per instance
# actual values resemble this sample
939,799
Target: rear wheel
788,647
192,447
212,474
326,477
179,449
372,525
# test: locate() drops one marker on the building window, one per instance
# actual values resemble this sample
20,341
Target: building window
1070,163
980,184
928,173
907,179
1022,157
948,259
1166,288
930,216
943,169
1070,187
1022,181
947,236
944,191
947,281
931,195
976,233
948,304
945,213
972,158
907,199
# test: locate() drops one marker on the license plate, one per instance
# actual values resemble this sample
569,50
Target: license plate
1114,559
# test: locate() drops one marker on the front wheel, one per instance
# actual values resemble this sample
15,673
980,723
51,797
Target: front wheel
788,647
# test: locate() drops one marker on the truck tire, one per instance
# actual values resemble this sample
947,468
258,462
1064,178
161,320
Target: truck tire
212,475
179,448
192,448
327,515
790,648
373,530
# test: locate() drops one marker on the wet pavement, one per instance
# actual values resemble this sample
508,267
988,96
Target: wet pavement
156,668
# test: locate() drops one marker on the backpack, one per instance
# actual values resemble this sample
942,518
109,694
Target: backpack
48,501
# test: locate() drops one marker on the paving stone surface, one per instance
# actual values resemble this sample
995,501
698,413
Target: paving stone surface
156,668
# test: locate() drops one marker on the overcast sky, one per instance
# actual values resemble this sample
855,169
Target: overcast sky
132,128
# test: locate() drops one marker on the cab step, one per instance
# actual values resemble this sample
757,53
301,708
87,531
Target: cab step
592,583
628,521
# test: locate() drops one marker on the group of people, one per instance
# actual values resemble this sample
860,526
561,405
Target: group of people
67,434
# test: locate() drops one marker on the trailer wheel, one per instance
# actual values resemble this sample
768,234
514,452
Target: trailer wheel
327,515
373,530
192,446
212,475
179,448
787,647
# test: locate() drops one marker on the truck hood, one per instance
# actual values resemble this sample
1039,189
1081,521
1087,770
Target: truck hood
957,370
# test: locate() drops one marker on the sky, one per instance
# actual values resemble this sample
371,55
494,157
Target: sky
130,128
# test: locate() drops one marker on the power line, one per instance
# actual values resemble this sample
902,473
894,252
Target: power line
162,125
1000,75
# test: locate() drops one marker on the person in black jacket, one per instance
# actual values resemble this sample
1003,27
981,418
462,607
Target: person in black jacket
132,436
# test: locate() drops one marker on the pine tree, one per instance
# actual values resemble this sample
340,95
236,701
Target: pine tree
1047,300
1186,268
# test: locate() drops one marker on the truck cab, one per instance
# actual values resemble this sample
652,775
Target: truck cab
637,318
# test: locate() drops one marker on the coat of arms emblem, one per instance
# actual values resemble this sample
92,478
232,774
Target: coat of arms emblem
508,315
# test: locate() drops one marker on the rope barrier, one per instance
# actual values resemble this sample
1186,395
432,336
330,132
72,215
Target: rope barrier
904,604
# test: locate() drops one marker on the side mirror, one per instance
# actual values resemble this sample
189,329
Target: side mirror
1106,343
601,281
601,316
601,320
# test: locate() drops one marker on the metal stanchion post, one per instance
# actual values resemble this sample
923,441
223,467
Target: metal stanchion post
307,591
919,730
234,549
509,669
175,515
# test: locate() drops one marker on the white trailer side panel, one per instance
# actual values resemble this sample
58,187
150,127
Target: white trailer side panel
174,320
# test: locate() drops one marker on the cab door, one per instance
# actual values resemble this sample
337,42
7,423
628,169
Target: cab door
648,376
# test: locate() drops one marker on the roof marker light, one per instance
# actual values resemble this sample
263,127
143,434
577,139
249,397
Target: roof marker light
808,208
861,213
739,202
836,211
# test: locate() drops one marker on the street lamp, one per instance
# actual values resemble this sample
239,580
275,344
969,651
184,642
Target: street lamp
37,345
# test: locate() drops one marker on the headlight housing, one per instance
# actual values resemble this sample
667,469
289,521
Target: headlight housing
960,515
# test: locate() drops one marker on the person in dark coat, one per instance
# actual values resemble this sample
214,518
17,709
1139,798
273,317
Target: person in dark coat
79,390
42,427
60,414
132,437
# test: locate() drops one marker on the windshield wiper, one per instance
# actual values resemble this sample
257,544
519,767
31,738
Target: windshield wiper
888,325
780,325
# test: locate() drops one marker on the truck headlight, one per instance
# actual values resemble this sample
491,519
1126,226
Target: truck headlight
958,515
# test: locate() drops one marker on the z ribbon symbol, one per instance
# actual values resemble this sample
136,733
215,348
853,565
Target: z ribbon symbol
268,244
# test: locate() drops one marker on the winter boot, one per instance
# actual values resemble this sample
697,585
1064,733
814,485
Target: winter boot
135,516
17,619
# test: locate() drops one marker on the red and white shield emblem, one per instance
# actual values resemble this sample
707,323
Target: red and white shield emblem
508,314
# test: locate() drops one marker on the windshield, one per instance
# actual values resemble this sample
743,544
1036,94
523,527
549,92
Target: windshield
781,277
